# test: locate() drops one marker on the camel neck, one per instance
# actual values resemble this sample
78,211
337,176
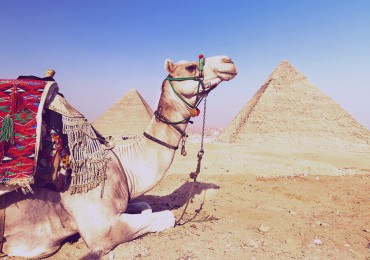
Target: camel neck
146,162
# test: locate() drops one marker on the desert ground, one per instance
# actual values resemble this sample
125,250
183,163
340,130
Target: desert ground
236,212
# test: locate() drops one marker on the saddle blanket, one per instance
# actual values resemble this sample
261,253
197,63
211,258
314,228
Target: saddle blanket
40,132
19,109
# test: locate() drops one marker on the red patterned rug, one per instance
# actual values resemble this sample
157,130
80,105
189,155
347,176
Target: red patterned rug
19,103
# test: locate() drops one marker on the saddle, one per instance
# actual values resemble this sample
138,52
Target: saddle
44,140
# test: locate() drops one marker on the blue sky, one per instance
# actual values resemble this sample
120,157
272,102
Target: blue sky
102,49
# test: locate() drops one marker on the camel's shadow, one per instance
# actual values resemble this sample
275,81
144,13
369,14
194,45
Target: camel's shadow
177,198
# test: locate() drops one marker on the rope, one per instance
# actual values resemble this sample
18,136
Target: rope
195,174
178,222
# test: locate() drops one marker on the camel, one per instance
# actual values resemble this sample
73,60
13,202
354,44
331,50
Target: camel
36,224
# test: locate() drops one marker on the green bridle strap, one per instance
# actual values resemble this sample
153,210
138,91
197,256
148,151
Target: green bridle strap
200,79
182,79
178,94
200,82
163,119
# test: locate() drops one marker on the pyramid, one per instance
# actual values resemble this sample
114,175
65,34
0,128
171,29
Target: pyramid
129,117
288,112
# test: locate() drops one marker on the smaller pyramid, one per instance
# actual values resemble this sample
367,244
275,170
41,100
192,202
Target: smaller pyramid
128,117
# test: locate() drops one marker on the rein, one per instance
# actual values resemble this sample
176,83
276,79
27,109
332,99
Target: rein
194,175
194,111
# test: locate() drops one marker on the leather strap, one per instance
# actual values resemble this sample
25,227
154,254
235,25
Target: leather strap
160,142
163,119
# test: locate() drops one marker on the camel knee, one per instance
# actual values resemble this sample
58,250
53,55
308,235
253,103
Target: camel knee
96,254
99,249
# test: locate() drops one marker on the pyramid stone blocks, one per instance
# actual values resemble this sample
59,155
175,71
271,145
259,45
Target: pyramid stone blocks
290,113
129,117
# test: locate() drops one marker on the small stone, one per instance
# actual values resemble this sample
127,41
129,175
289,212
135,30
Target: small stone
292,212
367,230
264,228
322,224
252,243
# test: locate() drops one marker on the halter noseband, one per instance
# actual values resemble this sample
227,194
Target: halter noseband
194,111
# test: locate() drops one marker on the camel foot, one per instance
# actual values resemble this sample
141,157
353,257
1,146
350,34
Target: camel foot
165,220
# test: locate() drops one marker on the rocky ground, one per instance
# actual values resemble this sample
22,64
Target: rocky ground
234,214
244,217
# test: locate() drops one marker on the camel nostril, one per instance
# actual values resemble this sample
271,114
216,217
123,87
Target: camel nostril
227,60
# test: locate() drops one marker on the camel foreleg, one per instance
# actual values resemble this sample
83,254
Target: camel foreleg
127,227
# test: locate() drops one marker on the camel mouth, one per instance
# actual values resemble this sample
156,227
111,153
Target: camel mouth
211,84
226,75
221,76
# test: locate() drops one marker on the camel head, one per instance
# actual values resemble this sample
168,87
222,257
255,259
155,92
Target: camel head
191,80
215,70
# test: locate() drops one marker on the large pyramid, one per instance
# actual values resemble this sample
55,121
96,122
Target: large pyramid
290,113
129,117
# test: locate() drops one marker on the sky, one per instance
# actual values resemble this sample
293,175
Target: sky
102,49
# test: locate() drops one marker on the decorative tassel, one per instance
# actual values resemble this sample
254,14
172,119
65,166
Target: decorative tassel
7,129
194,112
88,158
17,101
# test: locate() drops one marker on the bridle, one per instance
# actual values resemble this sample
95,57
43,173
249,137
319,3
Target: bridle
194,111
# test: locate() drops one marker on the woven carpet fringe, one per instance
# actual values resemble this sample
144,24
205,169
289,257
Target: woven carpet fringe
88,157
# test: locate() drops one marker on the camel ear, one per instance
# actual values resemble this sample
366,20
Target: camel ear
168,65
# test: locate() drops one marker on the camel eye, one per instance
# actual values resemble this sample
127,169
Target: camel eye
191,68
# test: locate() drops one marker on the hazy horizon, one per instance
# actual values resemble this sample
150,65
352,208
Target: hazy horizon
101,50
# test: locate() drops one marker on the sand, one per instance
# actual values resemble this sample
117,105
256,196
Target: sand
235,214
